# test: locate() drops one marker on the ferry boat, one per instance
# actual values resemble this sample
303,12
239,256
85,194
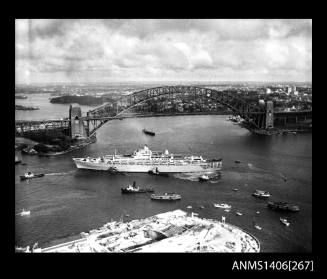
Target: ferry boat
166,197
144,160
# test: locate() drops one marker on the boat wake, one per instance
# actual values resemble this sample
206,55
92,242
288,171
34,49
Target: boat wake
194,176
61,173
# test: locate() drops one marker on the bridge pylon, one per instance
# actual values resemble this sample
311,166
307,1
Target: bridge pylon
269,115
77,128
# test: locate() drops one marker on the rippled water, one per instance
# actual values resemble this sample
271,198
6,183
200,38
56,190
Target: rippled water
67,201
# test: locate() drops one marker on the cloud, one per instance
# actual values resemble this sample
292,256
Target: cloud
108,50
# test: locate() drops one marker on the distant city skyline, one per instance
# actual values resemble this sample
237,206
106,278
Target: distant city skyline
163,50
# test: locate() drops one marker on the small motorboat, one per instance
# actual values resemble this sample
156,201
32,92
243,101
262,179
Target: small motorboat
201,206
227,210
237,162
29,175
127,215
258,227
239,213
261,194
258,212
222,205
132,189
284,221
235,189
204,178
166,197
189,207
25,212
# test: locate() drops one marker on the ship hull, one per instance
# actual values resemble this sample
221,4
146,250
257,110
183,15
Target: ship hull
144,167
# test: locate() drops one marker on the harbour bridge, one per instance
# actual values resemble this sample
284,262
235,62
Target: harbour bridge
256,117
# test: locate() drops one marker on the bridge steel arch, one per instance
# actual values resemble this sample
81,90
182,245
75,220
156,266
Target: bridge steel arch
254,115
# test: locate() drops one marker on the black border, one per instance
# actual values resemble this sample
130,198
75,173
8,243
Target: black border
166,264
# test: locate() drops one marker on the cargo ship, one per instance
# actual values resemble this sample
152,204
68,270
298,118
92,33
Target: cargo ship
145,160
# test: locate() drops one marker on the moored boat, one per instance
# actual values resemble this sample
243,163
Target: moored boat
284,221
261,194
239,213
132,189
148,132
30,175
285,206
166,197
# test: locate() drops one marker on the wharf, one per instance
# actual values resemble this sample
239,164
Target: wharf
174,231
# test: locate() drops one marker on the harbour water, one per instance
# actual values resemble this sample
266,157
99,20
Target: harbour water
68,201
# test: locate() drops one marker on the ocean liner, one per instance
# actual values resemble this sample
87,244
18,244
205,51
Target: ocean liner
144,160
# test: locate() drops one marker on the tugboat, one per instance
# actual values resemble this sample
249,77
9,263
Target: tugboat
166,197
285,206
261,194
30,175
148,132
204,178
284,221
222,205
132,189
156,172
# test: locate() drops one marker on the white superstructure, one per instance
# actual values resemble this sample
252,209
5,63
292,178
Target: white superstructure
144,160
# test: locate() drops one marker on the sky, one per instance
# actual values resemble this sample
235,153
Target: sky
174,50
